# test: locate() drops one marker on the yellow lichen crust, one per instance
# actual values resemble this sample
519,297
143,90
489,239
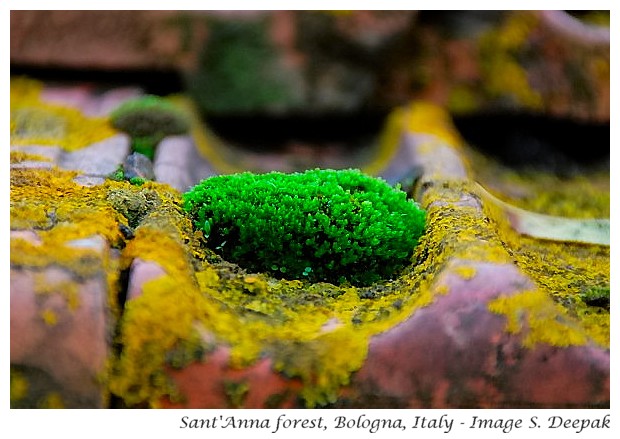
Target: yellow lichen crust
565,271
19,386
500,49
20,157
578,196
416,117
465,272
52,400
34,122
534,314
316,332
50,203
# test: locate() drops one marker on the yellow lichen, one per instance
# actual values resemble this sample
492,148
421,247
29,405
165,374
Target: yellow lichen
34,122
500,48
61,211
19,386
465,272
463,99
49,317
68,289
20,157
416,117
24,89
539,319
52,401
563,270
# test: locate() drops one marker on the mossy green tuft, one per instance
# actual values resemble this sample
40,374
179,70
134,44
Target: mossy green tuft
147,120
322,225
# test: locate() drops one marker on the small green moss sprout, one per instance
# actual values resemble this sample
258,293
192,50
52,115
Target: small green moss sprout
322,225
137,181
147,120
118,175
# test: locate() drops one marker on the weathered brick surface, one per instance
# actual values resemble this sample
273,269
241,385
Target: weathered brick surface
453,353
60,330
456,353
202,383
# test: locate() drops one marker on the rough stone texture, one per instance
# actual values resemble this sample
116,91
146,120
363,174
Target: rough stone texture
575,31
32,164
100,159
28,235
51,338
96,243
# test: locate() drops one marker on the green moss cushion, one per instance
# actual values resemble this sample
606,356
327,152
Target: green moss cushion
322,225
148,119
148,116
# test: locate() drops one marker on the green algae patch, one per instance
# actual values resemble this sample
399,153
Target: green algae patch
35,122
324,225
